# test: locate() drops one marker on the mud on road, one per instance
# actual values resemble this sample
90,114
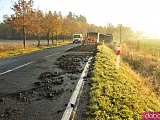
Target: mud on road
50,89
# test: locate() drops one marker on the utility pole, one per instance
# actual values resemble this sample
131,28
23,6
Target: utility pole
120,33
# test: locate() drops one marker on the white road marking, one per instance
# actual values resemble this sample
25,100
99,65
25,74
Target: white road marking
52,54
68,111
29,63
16,68
56,53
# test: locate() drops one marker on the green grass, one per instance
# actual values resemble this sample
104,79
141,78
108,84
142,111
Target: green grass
117,94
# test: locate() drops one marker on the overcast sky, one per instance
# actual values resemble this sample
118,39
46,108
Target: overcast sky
137,14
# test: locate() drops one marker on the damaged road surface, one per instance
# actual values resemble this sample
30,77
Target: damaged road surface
42,90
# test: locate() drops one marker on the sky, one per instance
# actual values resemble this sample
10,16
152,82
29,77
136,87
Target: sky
138,14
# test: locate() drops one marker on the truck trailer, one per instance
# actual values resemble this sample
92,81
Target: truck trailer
95,37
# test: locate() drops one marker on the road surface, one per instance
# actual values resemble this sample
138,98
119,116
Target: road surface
38,86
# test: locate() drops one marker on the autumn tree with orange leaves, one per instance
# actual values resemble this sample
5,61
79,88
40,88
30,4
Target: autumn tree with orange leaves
48,24
66,27
22,18
30,21
57,24
37,25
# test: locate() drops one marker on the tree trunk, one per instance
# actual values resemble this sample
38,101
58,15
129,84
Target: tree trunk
64,38
57,39
52,38
24,37
39,41
48,38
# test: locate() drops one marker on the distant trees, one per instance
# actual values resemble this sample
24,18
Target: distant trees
77,18
126,32
3,31
110,28
139,34
34,22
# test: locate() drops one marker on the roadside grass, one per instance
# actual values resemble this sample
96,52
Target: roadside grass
14,49
144,58
117,94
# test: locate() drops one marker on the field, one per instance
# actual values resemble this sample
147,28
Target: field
149,46
118,94
144,57
10,48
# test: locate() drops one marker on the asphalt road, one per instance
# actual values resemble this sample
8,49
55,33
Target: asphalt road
10,64
35,87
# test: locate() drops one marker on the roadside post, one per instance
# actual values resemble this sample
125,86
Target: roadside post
57,42
103,42
119,48
118,57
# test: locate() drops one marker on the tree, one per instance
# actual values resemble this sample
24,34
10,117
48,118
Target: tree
92,28
122,33
81,28
74,27
81,18
22,19
3,31
37,28
48,24
71,16
127,33
57,24
139,34
77,18
66,27
110,28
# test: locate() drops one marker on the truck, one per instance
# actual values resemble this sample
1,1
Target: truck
77,38
96,37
